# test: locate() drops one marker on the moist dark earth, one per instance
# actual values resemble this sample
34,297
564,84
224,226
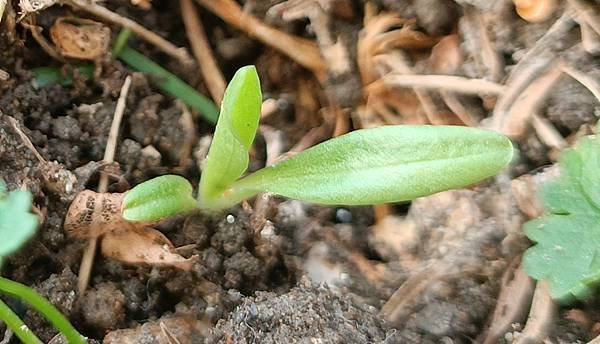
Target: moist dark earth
274,270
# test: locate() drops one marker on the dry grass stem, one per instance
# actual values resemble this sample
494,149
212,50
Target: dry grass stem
445,82
547,133
458,108
215,82
305,52
36,33
87,261
517,118
513,303
587,13
541,316
590,83
102,12
2,6
529,67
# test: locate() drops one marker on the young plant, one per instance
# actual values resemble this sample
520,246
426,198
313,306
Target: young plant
369,166
567,249
17,225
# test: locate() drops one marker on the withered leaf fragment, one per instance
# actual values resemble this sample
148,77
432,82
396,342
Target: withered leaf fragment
81,39
95,214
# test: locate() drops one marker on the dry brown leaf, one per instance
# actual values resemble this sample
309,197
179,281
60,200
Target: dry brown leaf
145,245
98,215
93,214
78,38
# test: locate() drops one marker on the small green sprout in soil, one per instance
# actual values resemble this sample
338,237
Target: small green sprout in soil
567,237
369,166
17,225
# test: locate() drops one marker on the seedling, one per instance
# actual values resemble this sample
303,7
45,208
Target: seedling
17,225
369,166
567,249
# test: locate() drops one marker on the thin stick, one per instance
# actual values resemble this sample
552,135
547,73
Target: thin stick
202,51
2,6
541,316
587,13
87,260
303,51
547,133
529,67
102,12
445,82
518,116
590,83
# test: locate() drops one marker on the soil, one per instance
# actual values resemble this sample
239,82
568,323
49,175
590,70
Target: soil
274,270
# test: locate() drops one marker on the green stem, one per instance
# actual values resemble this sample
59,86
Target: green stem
16,324
44,307
166,80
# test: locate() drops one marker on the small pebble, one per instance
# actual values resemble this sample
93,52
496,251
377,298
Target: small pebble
343,215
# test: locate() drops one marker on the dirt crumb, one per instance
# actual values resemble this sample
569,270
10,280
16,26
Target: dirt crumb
307,313
103,307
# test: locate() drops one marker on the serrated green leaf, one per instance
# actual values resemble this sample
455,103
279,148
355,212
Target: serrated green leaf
17,223
228,158
159,198
385,164
567,249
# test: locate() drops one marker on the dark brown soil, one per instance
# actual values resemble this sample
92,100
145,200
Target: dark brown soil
276,270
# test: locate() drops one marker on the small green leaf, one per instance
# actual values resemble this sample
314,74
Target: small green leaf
228,158
385,164
17,223
158,198
567,249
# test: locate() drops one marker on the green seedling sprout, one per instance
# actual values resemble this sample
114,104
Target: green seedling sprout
369,166
17,225
44,76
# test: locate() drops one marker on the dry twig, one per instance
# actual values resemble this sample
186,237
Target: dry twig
547,133
541,316
516,120
444,82
303,51
590,83
87,260
513,303
206,61
102,12
587,13
528,68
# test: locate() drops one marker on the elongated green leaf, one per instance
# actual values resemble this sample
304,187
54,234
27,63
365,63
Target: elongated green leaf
228,155
158,198
17,223
386,164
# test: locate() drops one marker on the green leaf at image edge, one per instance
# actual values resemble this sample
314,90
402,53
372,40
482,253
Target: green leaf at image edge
567,239
228,158
158,198
17,223
381,165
